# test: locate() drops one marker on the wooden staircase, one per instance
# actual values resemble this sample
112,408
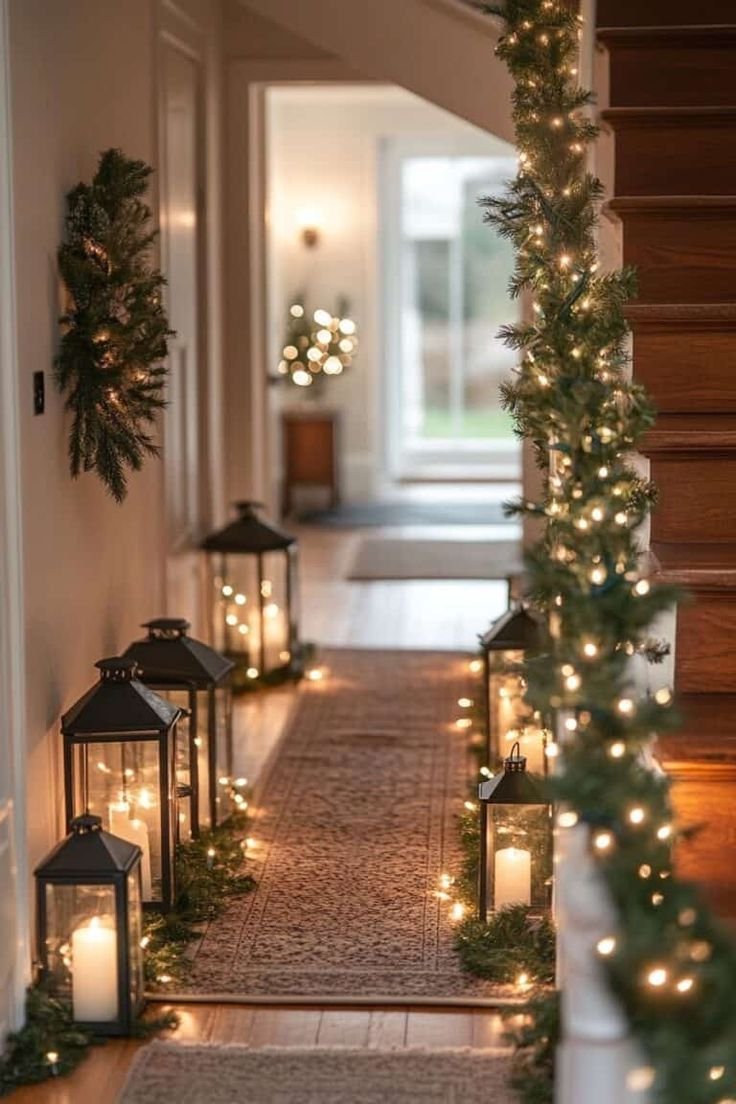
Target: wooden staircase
672,109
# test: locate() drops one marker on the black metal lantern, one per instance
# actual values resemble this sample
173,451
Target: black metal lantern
196,678
515,862
508,718
119,764
255,597
90,925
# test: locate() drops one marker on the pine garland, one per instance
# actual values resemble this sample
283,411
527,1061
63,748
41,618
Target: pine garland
209,874
670,962
115,331
535,1043
512,947
50,1044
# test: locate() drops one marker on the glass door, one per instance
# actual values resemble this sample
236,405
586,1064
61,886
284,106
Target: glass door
446,275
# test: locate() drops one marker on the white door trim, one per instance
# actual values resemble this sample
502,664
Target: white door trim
12,622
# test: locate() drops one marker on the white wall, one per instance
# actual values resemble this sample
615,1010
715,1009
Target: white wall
83,79
324,153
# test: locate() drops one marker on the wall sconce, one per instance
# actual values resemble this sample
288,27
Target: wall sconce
310,225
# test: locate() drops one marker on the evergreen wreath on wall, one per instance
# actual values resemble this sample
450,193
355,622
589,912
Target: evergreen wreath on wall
115,329
669,961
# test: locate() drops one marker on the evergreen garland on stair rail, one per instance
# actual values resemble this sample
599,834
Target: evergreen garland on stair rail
669,962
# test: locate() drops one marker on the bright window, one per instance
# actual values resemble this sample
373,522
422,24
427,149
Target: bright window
453,272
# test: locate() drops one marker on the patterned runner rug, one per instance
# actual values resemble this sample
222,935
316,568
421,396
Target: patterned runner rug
355,825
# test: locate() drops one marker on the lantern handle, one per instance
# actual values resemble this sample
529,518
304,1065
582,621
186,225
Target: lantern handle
88,822
249,506
515,750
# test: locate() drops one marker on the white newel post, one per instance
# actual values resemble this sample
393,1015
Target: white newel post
597,1060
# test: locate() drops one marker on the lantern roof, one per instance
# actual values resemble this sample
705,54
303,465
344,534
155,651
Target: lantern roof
518,629
119,702
168,654
88,851
248,533
513,785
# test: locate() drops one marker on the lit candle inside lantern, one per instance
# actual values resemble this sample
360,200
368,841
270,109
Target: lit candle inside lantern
513,877
95,972
275,632
134,831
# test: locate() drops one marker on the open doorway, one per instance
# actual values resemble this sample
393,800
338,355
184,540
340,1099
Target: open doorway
372,211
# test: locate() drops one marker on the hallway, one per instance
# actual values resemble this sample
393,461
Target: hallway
435,616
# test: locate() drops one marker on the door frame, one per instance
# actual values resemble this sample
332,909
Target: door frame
12,623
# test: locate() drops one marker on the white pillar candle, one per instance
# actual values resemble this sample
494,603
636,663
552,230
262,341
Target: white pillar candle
513,877
275,632
531,742
134,831
95,972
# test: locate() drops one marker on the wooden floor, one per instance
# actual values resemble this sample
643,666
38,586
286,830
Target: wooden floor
444,615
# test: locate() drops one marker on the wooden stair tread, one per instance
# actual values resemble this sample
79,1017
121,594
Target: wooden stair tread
673,204
681,314
691,432
697,566
669,116
674,13
695,35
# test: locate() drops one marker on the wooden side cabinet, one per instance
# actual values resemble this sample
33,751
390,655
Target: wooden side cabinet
310,441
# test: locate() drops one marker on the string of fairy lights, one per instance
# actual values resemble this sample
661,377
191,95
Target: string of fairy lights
669,961
317,344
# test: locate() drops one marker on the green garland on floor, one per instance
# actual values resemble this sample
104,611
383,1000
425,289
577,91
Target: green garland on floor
511,947
669,962
535,1043
209,875
50,1044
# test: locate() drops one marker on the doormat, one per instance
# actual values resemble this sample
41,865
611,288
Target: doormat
192,1073
379,558
370,514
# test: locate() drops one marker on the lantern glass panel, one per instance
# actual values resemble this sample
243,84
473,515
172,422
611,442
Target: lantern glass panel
135,935
222,706
519,845
251,610
506,698
82,949
121,783
185,700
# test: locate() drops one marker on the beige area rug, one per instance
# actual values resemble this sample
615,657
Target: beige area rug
379,558
191,1074
355,824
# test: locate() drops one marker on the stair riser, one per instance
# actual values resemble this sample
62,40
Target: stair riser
687,370
706,644
697,154
697,499
707,732
663,13
655,74
686,256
